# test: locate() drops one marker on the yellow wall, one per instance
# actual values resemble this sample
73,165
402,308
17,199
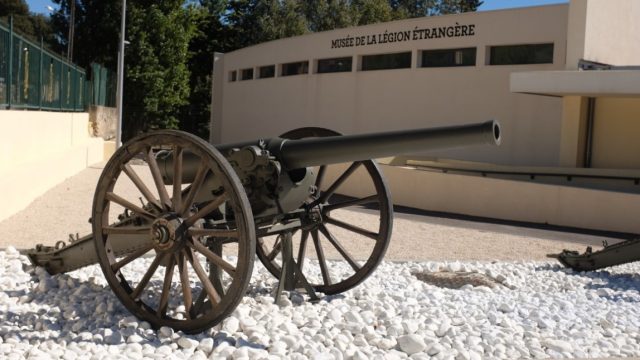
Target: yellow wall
573,134
616,140
40,149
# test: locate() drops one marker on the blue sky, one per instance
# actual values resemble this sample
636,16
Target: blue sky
40,6
504,4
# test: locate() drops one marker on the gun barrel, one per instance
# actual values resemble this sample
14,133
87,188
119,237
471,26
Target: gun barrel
295,154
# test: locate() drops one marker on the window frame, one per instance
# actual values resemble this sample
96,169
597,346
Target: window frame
492,56
305,67
401,53
446,51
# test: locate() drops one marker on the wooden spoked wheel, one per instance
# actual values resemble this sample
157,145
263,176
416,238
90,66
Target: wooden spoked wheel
189,246
337,254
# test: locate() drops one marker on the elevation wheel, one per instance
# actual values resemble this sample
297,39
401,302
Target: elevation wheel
341,240
191,243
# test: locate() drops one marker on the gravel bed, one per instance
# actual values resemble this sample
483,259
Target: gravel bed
535,310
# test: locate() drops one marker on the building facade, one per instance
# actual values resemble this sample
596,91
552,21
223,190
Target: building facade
562,80
407,74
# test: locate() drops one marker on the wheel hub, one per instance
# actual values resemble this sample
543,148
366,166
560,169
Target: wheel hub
312,217
167,233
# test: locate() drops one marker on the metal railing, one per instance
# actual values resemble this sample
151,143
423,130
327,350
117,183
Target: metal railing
32,77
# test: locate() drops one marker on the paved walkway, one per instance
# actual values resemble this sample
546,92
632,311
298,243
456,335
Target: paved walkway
417,235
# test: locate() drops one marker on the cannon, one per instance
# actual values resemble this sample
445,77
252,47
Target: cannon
195,216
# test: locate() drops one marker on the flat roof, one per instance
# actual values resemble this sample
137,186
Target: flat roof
595,83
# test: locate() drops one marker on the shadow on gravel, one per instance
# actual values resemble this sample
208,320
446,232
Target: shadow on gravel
609,286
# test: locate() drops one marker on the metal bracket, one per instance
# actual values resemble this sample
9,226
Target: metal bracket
290,276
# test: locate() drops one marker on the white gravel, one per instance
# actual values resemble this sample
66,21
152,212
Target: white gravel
540,310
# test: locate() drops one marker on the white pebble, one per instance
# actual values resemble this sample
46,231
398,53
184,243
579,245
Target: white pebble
206,345
187,343
411,343
231,325
557,345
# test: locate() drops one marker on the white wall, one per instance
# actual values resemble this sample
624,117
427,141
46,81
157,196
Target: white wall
40,149
605,31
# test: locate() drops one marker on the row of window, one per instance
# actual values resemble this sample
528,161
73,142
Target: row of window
498,55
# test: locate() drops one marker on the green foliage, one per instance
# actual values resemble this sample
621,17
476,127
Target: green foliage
33,26
364,12
157,78
458,6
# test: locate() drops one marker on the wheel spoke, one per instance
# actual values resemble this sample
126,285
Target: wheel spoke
327,194
166,287
157,178
194,187
133,176
214,258
147,276
348,203
126,204
321,172
129,258
204,279
217,233
126,230
186,286
321,259
277,247
206,210
177,178
345,254
352,228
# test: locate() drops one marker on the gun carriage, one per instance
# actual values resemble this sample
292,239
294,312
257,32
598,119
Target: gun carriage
201,215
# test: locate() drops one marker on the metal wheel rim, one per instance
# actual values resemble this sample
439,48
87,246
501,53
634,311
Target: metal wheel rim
384,229
236,199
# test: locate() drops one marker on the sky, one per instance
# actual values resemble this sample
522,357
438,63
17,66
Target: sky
40,6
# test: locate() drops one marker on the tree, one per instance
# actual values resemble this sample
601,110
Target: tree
413,8
97,28
33,26
364,12
458,6
325,15
157,78
209,37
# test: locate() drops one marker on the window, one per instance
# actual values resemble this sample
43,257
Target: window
386,61
247,74
267,71
295,68
334,65
233,76
521,54
449,57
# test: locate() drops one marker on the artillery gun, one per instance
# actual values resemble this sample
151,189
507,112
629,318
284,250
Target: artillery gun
207,210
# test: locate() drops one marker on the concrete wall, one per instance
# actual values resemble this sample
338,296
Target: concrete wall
604,31
366,101
503,199
39,150
104,121
616,138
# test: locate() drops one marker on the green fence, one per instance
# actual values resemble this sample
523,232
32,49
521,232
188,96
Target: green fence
33,78
103,86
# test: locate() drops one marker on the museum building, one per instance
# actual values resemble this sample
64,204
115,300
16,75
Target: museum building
562,80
